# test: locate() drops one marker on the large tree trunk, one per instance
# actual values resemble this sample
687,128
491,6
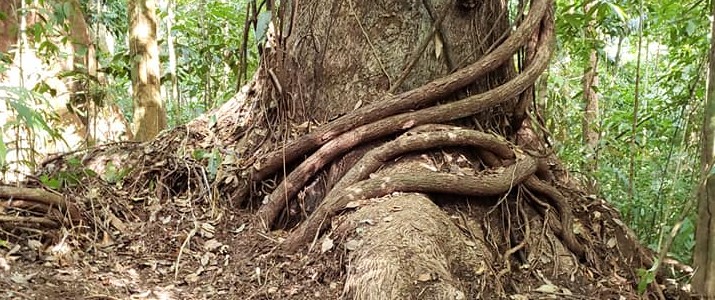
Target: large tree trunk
356,76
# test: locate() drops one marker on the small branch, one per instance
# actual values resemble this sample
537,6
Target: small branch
41,196
29,220
427,181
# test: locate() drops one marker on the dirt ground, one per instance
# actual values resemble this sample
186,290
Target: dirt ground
179,254
156,261
186,241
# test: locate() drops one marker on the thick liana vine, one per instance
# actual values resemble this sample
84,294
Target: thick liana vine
391,116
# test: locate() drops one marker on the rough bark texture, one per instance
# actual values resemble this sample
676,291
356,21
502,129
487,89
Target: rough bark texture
590,123
149,113
590,117
348,52
9,24
704,253
356,181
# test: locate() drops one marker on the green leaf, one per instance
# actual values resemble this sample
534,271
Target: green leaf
74,162
212,121
264,19
52,183
198,154
90,173
3,151
67,9
645,277
214,162
618,11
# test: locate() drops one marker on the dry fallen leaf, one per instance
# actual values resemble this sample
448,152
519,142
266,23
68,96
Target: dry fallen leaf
548,288
191,278
577,228
207,230
327,245
611,242
480,270
352,204
438,46
352,245
424,277
212,245
34,245
3,264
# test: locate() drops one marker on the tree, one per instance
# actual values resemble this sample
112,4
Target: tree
149,112
456,91
704,254
590,98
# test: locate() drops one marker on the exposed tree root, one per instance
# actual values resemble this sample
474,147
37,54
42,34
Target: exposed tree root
419,97
425,181
409,142
290,186
38,201
17,220
565,214
410,258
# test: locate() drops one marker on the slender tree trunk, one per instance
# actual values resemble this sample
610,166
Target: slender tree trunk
172,55
704,256
149,113
590,116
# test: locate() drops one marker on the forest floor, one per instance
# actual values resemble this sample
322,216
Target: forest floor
174,255
136,241
154,260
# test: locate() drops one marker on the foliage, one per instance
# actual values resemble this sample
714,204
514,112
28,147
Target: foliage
68,178
208,37
29,119
675,36
208,41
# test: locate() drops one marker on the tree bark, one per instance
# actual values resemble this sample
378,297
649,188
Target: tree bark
704,253
149,113
590,123
334,66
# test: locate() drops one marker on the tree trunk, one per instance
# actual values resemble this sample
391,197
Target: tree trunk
379,87
590,114
704,253
149,113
